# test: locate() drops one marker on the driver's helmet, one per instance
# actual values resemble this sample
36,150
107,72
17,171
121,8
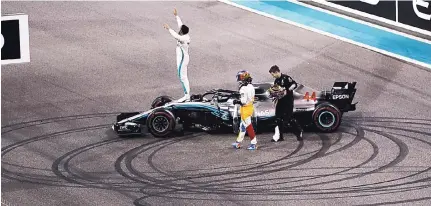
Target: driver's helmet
243,77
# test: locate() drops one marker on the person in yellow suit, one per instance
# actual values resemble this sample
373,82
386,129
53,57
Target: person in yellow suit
246,89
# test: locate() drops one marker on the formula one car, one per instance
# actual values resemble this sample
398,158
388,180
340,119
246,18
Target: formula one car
214,110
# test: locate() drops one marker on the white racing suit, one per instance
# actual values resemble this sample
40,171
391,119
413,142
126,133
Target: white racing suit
182,51
247,109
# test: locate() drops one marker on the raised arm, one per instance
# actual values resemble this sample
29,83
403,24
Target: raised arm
177,36
180,23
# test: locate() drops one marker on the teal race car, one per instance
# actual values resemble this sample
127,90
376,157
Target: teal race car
215,111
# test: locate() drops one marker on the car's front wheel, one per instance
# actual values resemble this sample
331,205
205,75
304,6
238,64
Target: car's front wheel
161,123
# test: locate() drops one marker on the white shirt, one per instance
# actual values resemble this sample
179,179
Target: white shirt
247,94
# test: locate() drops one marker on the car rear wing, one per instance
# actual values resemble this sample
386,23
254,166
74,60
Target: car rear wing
342,94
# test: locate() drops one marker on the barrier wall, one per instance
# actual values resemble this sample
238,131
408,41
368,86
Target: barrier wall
348,29
413,15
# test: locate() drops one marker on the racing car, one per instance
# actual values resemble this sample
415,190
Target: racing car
215,110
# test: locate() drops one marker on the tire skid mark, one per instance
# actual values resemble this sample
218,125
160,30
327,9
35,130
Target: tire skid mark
9,148
24,125
179,185
242,171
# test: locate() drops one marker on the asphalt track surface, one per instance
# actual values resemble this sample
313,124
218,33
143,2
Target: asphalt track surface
90,60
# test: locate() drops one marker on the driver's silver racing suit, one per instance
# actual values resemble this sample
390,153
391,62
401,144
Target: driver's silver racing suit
182,52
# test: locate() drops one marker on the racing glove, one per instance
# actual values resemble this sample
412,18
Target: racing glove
237,101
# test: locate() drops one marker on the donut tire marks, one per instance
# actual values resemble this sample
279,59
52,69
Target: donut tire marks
22,125
199,184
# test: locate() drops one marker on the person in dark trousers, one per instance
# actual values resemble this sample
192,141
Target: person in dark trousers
282,92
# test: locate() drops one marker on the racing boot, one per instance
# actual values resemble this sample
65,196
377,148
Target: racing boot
298,135
298,129
252,147
277,135
236,145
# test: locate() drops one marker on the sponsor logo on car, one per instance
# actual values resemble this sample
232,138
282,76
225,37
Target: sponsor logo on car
267,112
340,96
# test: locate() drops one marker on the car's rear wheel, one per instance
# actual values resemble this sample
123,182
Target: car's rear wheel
255,125
161,123
235,125
160,101
327,117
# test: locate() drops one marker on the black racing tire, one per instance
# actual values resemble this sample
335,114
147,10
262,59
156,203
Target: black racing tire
327,117
235,125
255,125
161,123
160,101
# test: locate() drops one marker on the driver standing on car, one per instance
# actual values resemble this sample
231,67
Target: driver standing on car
182,51
282,91
246,90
